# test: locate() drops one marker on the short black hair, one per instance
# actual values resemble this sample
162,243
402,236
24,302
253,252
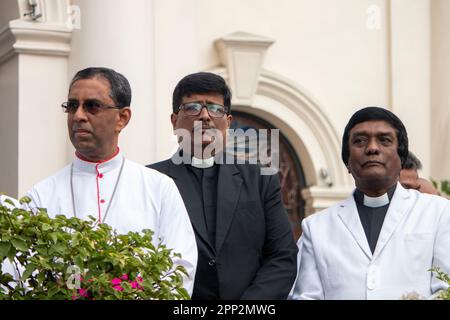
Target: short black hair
376,114
412,162
120,87
201,83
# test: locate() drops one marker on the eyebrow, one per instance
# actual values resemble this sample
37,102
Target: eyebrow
92,100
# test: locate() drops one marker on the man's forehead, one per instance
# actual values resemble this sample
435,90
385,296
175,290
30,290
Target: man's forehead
373,126
94,83
203,96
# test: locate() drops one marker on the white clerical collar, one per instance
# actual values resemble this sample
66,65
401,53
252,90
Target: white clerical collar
202,163
375,202
98,167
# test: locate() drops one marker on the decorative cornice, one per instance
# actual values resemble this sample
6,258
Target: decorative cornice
21,36
243,54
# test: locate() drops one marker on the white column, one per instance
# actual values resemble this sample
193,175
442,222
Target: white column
440,92
33,73
410,73
119,35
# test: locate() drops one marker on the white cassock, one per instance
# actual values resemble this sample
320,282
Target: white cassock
337,263
294,294
16,203
144,199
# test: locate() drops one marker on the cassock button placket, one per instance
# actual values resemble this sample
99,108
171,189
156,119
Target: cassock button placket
371,278
101,201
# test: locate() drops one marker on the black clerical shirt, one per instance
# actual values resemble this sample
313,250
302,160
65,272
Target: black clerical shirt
372,218
205,181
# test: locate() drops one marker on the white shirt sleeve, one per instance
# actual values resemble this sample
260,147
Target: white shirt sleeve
295,291
3,202
177,233
309,282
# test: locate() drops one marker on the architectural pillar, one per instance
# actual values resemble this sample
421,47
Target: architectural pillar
440,93
33,78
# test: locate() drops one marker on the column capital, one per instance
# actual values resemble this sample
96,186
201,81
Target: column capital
20,36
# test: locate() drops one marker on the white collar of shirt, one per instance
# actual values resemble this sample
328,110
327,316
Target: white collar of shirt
98,167
375,202
202,163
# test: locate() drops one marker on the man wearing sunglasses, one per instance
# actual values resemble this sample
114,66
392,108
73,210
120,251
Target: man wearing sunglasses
101,182
245,244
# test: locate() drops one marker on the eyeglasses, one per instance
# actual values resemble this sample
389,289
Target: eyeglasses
91,106
194,109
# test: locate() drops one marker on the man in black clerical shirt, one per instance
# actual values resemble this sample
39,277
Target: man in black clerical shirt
382,241
246,249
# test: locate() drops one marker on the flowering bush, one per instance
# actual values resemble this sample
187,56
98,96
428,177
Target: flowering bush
70,258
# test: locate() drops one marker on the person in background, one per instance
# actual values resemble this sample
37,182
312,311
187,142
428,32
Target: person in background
409,176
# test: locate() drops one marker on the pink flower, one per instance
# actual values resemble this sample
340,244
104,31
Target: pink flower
116,284
83,292
136,284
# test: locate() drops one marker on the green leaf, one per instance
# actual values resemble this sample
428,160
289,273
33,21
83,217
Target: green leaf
54,237
28,271
46,227
19,244
52,291
4,248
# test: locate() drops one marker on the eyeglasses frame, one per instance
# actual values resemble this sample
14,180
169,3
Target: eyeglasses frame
204,105
104,106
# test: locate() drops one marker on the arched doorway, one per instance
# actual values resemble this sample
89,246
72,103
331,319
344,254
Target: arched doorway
291,174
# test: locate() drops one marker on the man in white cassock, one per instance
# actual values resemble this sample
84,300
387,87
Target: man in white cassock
381,242
101,182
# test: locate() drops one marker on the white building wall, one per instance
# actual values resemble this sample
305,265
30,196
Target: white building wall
343,54
440,89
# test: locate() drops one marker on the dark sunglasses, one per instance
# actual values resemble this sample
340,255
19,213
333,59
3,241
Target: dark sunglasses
194,109
91,106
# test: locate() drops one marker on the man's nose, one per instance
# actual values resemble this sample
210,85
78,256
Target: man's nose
372,147
204,114
80,114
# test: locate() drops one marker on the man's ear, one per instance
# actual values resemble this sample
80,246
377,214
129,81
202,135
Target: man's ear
173,119
229,120
124,117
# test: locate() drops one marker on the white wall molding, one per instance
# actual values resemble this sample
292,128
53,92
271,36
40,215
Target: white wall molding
21,36
243,54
